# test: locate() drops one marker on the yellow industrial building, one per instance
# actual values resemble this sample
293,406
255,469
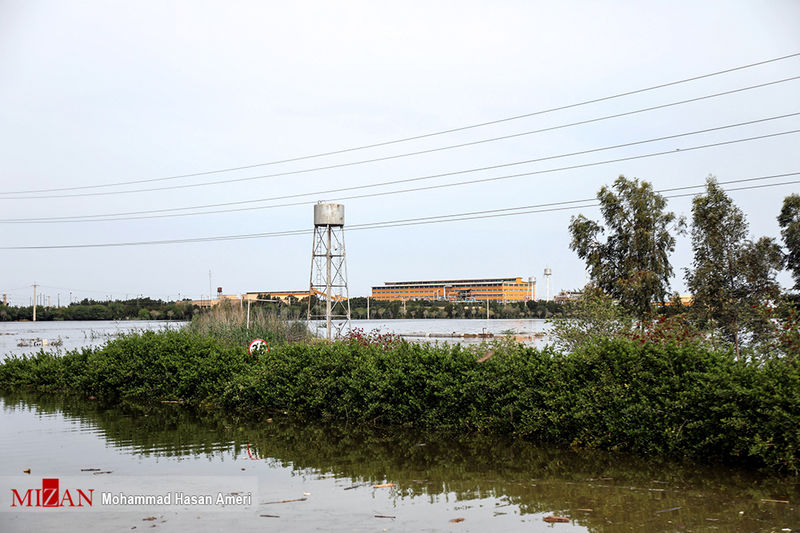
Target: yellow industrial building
495,289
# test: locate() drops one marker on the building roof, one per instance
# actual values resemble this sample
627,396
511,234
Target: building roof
436,283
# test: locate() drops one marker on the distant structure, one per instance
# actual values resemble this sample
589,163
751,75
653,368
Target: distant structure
567,296
284,296
495,289
532,283
685,299
232,299
329,269
547,273
236,299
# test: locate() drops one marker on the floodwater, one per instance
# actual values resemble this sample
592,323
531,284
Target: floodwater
30,337
529,331
302,477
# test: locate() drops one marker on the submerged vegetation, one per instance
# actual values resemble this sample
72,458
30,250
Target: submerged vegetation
625,493
649,396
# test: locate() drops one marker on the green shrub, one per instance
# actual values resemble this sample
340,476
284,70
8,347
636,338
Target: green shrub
663,398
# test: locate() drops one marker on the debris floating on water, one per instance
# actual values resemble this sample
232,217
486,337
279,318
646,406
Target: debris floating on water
287,501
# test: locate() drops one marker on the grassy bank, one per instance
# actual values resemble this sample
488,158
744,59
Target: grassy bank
664,399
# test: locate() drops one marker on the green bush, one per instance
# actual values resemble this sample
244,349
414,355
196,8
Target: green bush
665,398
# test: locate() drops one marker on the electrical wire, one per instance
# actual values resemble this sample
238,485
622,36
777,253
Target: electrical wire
453,173
412,138
54,220
492,213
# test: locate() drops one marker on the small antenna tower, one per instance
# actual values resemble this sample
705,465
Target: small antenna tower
329,269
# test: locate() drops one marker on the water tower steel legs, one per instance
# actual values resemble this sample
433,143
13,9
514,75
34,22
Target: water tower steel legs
329,279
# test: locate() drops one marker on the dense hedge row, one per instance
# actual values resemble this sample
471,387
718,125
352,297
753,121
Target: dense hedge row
660,399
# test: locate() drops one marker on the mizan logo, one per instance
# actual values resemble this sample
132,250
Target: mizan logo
50,496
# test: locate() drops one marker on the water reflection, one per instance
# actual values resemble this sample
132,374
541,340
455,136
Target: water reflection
599,491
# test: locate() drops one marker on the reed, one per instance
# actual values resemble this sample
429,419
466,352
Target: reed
228,323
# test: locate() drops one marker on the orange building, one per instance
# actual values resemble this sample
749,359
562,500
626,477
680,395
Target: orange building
498,289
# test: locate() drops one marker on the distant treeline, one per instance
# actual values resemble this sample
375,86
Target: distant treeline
135,309
149,309
387,310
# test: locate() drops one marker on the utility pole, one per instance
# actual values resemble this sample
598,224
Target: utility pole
487,308
34,301
367,307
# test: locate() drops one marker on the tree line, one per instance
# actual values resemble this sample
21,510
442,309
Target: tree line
86,309
420,309
732,277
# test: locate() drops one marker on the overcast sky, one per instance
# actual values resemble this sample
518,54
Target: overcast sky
102,92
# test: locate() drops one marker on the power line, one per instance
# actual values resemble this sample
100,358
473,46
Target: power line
106,292
122,216
251,178
416,137
493,213
413,189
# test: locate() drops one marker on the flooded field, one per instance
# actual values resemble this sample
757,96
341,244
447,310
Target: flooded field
531,331
30,337
336,477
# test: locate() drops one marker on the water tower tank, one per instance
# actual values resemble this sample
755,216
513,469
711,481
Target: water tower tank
328,214
532,280
548,271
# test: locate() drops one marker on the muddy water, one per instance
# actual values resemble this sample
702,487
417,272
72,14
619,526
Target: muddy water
322,478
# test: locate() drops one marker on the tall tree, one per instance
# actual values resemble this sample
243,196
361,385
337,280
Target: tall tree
731,277
789,220
632,264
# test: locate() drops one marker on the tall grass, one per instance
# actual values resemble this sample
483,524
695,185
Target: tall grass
228,323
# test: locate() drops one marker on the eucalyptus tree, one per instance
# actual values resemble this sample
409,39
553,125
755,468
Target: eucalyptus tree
632,263
789,220
732,278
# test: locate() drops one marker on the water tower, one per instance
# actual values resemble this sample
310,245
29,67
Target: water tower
329,269
532,283
547,273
